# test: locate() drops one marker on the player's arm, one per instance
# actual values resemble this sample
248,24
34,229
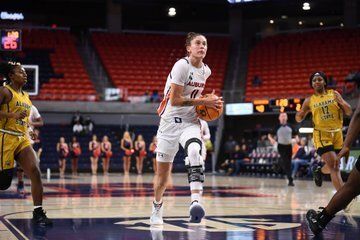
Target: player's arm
5,97
305,109
90,146
352,133
110,146
58,147
343,104
206,132
354,127
37,122
177,99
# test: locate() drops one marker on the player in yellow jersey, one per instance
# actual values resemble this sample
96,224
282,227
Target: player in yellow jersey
327,108
15,108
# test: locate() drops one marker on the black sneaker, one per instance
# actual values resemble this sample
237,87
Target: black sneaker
40,218
291,183
317,221
318,176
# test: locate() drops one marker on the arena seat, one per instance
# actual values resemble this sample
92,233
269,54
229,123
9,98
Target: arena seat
66,69
284,62
146,59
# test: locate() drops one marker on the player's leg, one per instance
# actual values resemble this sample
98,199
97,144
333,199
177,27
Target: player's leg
167,147
329,158
164,166
6,177
190,139
28,161
318,220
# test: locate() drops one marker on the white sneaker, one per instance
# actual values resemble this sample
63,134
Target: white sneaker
157,232
197,212
348,207
156,215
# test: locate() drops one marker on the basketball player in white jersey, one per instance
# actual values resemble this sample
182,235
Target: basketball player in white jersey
179,124
35,120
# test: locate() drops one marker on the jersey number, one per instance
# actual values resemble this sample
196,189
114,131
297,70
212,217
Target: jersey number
325,110
194,93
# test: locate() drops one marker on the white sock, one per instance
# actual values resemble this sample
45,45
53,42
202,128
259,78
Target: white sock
195,197
156,202
35,207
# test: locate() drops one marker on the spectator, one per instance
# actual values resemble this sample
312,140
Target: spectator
147,97
77,118
88,125
302,157
263,143
256,81
155,96
229,147
77,129
241,156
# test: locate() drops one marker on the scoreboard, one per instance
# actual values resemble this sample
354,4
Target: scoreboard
278,105
10,40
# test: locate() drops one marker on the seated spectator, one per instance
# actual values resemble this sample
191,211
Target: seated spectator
256,81
229,147
303,157
241,156
147,96
155,96
78,129
263,143
88,125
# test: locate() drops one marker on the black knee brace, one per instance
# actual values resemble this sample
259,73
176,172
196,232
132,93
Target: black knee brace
6,177
195,174
192,140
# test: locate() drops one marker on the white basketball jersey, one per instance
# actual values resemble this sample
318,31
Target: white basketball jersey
193,79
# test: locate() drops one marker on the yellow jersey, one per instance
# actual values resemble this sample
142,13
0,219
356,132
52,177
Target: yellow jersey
326,112
19,102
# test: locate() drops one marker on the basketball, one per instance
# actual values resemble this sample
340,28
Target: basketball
208,113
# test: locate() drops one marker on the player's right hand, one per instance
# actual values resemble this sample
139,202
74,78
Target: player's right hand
19,115
213,101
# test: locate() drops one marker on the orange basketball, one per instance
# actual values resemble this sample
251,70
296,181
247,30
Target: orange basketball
207,113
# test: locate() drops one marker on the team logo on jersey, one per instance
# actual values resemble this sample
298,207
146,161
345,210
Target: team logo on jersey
191,76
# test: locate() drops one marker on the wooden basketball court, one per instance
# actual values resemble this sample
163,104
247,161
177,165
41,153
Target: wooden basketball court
118,207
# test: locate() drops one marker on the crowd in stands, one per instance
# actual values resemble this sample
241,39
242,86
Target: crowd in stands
239,155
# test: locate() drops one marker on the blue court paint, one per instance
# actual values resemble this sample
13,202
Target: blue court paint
264,227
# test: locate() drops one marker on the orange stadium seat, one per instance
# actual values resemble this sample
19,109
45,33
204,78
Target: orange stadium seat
65,61
148,58
289,59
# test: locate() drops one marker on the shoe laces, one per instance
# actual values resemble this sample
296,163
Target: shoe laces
157,206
